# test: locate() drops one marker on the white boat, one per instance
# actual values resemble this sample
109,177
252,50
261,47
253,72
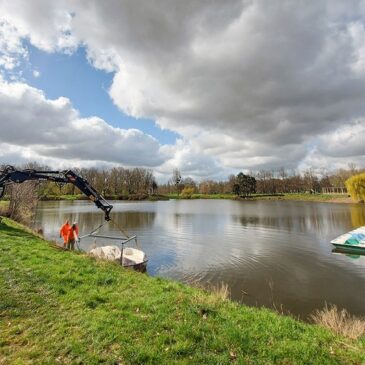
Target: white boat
353,241
129,257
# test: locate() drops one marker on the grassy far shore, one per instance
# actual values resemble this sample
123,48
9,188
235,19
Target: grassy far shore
64,307
332,198
338,198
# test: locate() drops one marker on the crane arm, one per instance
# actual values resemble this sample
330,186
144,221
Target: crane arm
11,175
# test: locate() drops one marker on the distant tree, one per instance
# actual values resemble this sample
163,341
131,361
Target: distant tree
187,192
229,185
356,187
154,186
236,189
176,179
246,184
252,184
188,182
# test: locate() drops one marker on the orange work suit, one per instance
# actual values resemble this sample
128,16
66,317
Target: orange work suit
72,235
64,233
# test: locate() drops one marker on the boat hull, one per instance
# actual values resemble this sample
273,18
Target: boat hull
350,248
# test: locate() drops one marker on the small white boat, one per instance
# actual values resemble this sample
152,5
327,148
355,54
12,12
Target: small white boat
353,241
129,257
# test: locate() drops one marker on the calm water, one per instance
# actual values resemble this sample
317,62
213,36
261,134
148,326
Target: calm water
268,252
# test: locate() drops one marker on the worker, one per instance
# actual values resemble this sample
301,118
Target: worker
64,232
72,236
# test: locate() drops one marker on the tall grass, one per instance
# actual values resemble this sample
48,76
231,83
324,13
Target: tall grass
340,322
4,208
219,291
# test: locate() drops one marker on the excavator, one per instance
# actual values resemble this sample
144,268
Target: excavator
10,175
128,257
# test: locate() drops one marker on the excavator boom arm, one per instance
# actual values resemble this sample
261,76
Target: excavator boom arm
11,175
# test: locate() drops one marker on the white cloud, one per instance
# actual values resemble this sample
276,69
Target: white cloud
46,25
12,51
38,127
247,84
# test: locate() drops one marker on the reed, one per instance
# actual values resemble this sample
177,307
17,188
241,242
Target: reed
340,322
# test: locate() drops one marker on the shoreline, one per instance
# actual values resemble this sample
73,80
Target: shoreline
325,198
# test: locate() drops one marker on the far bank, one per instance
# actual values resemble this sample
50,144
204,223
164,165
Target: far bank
328,198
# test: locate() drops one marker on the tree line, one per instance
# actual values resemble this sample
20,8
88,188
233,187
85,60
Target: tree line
263,182
118,182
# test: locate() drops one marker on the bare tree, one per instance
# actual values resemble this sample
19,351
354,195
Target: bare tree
23,202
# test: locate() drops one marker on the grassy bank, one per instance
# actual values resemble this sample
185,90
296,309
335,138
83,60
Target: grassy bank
202,196
338,198
335,198
63,307
108,197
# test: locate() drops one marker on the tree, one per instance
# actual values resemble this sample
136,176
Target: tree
154,186
176,178
187,192
356,187
246,184
236,189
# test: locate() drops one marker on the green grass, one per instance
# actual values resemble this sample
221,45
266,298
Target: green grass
294,196
65,197
308,197
202,196
64,307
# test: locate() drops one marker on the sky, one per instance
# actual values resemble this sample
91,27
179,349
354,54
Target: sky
209,87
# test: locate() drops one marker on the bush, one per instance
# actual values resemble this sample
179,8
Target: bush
356,187
187,192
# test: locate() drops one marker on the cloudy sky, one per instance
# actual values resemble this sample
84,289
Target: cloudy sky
211,87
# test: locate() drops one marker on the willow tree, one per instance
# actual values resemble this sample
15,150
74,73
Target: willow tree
356,187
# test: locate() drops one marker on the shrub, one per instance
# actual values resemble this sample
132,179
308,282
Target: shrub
187,192
356,187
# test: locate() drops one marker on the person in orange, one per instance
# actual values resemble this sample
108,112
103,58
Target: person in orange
64,232
72,236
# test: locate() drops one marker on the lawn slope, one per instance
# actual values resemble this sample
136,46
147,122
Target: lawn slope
67,308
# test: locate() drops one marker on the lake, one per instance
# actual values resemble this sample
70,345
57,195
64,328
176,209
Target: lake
270,253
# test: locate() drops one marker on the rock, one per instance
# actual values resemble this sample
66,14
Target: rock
131,256
111,253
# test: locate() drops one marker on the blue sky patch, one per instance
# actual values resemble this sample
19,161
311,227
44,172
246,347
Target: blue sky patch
72,76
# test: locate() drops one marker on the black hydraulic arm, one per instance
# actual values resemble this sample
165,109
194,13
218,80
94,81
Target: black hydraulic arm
11,175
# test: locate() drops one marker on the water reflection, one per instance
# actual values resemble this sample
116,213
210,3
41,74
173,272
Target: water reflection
357,215
267,252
